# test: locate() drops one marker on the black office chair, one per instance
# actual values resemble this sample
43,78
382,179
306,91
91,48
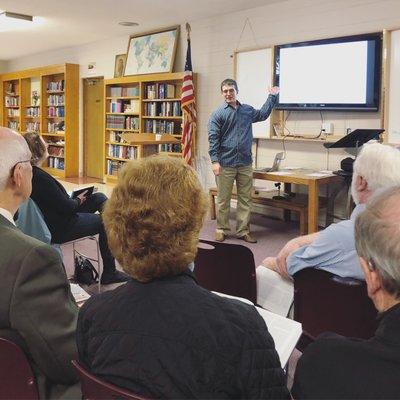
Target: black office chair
226,268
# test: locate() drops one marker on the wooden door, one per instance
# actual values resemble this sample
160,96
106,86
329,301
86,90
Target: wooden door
93,109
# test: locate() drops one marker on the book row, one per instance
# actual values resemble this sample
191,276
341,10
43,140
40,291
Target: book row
13,112
128,152
118,91
163,109
14,125
122,122
32,112
55,151
57,86
156,126
33,127
55,100
125,106
11,101
54,162
171,147
113,167
160,91
55,111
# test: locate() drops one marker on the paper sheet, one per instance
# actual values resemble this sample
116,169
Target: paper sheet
274,293
80,295
284,331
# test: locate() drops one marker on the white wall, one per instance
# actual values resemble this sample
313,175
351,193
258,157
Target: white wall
213,43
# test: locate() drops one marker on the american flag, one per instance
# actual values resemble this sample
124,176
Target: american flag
188,105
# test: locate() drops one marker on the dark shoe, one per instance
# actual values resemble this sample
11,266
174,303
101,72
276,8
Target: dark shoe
114,277
219,236
248,238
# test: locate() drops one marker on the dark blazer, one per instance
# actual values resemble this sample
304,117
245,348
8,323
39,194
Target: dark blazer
58,209
335,367
172,339
36,302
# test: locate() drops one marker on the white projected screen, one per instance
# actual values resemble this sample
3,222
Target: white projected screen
328,73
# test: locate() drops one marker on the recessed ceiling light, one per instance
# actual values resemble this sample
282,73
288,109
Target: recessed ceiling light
8,14
128,23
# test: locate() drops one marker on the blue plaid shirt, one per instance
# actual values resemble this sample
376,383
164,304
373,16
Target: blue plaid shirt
230,133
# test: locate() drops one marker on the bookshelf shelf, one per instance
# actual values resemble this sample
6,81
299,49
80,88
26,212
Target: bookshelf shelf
157,100
122,130
161,117
123,98
114,113
139,101
46,100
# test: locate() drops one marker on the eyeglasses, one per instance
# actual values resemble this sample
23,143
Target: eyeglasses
19,162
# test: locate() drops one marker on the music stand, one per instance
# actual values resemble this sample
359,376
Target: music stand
356,138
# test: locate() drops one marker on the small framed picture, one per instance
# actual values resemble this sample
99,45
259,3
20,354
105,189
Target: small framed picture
120,60
152,52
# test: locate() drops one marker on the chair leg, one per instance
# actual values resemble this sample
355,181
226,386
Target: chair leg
213,214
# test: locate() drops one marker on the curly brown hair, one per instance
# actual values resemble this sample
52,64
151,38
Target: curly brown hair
154,216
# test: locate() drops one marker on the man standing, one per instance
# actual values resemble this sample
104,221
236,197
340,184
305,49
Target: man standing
37,309
230,138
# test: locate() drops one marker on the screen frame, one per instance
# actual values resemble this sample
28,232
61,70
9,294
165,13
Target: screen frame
377,37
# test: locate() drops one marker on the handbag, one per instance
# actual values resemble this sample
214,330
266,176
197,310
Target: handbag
85,272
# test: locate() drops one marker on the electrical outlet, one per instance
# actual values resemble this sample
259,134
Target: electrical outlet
327,127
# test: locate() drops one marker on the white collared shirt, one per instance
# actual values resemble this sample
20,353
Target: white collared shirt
6,214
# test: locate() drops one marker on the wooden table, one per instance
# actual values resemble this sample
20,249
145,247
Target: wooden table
302,177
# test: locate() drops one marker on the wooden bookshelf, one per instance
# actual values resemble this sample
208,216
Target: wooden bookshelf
143,116
46,100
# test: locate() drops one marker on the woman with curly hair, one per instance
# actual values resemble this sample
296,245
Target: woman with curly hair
161,335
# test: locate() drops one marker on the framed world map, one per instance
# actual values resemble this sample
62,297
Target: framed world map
152,52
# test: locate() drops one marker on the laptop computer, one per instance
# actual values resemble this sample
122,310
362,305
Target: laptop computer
275,166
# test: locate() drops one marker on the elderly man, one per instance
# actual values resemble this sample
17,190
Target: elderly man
37,309
333,249
335,367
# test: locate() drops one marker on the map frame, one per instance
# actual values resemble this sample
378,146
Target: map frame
145,55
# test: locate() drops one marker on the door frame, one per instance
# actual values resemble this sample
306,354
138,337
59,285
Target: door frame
84,139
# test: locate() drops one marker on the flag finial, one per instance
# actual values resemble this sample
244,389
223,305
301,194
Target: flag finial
188,30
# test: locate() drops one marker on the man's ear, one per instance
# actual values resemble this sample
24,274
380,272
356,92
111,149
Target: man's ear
362,184
372,278
17,175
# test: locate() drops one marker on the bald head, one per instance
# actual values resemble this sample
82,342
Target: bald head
13,149
377,234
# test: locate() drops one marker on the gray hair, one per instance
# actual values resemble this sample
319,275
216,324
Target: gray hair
13,149
379,165
377,235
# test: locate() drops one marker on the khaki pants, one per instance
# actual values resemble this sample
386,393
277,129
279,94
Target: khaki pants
244,184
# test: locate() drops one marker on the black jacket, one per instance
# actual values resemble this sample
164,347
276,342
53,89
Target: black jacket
58,209
335,367
172,339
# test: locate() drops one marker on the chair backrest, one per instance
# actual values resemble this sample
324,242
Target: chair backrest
94,388
226,268
16,377
31,221
324,302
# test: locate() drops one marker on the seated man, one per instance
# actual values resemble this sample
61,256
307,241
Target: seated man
335,367
36,304
161,335
333,249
